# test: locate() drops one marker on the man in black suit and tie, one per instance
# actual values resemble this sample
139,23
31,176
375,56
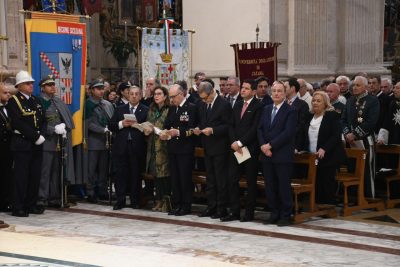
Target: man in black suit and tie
292,86
26,117
243,133
5,153
233,88
276,134
180,122
129,149
262,90
214,120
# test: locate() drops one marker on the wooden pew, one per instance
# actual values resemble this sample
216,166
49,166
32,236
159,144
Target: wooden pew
199,177
390,150
356,179
307,186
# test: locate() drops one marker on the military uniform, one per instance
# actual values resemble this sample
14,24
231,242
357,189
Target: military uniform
338,106
97,118
26,117
56,112
180,154
5,159
360,117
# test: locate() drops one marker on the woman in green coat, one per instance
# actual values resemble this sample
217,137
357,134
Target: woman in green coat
157,155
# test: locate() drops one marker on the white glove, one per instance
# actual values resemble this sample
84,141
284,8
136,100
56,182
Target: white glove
60,128
106,130
40,140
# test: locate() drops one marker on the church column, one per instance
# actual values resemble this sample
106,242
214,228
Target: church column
361,36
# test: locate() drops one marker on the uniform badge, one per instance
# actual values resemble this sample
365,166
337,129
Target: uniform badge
184,116
360,120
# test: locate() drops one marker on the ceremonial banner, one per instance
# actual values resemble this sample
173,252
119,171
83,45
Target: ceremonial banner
57,46
165,56
252,61
47,6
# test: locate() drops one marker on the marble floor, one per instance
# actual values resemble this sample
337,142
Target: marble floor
95,235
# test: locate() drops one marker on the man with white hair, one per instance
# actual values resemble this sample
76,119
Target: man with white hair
303,93
344,84
387,87
333,92
358,120
26,117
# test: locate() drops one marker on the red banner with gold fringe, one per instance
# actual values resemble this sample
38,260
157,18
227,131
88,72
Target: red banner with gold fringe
253,60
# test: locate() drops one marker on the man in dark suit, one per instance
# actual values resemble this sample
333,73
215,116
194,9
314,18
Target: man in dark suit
151,84
5,153
192,98
128,149
333,91
292,86
214,119
180,121
276,134
262,90
26,118
233,88
374,88
243,133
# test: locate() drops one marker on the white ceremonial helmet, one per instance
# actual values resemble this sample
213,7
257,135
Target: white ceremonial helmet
23,77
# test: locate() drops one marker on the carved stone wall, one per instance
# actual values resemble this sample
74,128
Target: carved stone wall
12,55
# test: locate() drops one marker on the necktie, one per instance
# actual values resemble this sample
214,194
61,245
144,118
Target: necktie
273,113
208,112
245,104
132,109
177,109
231,99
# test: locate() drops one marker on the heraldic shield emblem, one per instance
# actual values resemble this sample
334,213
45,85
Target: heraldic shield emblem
60,66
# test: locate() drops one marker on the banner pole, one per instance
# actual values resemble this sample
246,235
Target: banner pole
139,58
191,54
30,12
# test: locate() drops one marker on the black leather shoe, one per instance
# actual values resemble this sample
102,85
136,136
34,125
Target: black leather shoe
219,215
230,217
207,213
272,220
247,218
36,210
5,208
283,222
92,199
174,211
19,213
134,206
182,212
119,206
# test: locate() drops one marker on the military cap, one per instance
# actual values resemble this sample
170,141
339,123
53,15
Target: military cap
96,83
49,79
124,85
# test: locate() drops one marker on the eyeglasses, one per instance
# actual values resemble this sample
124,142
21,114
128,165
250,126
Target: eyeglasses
158,93
51,84
173,96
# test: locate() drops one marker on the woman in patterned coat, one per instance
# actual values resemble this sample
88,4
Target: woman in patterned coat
157,155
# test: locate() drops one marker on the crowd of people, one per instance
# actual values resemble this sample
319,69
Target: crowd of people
129,131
